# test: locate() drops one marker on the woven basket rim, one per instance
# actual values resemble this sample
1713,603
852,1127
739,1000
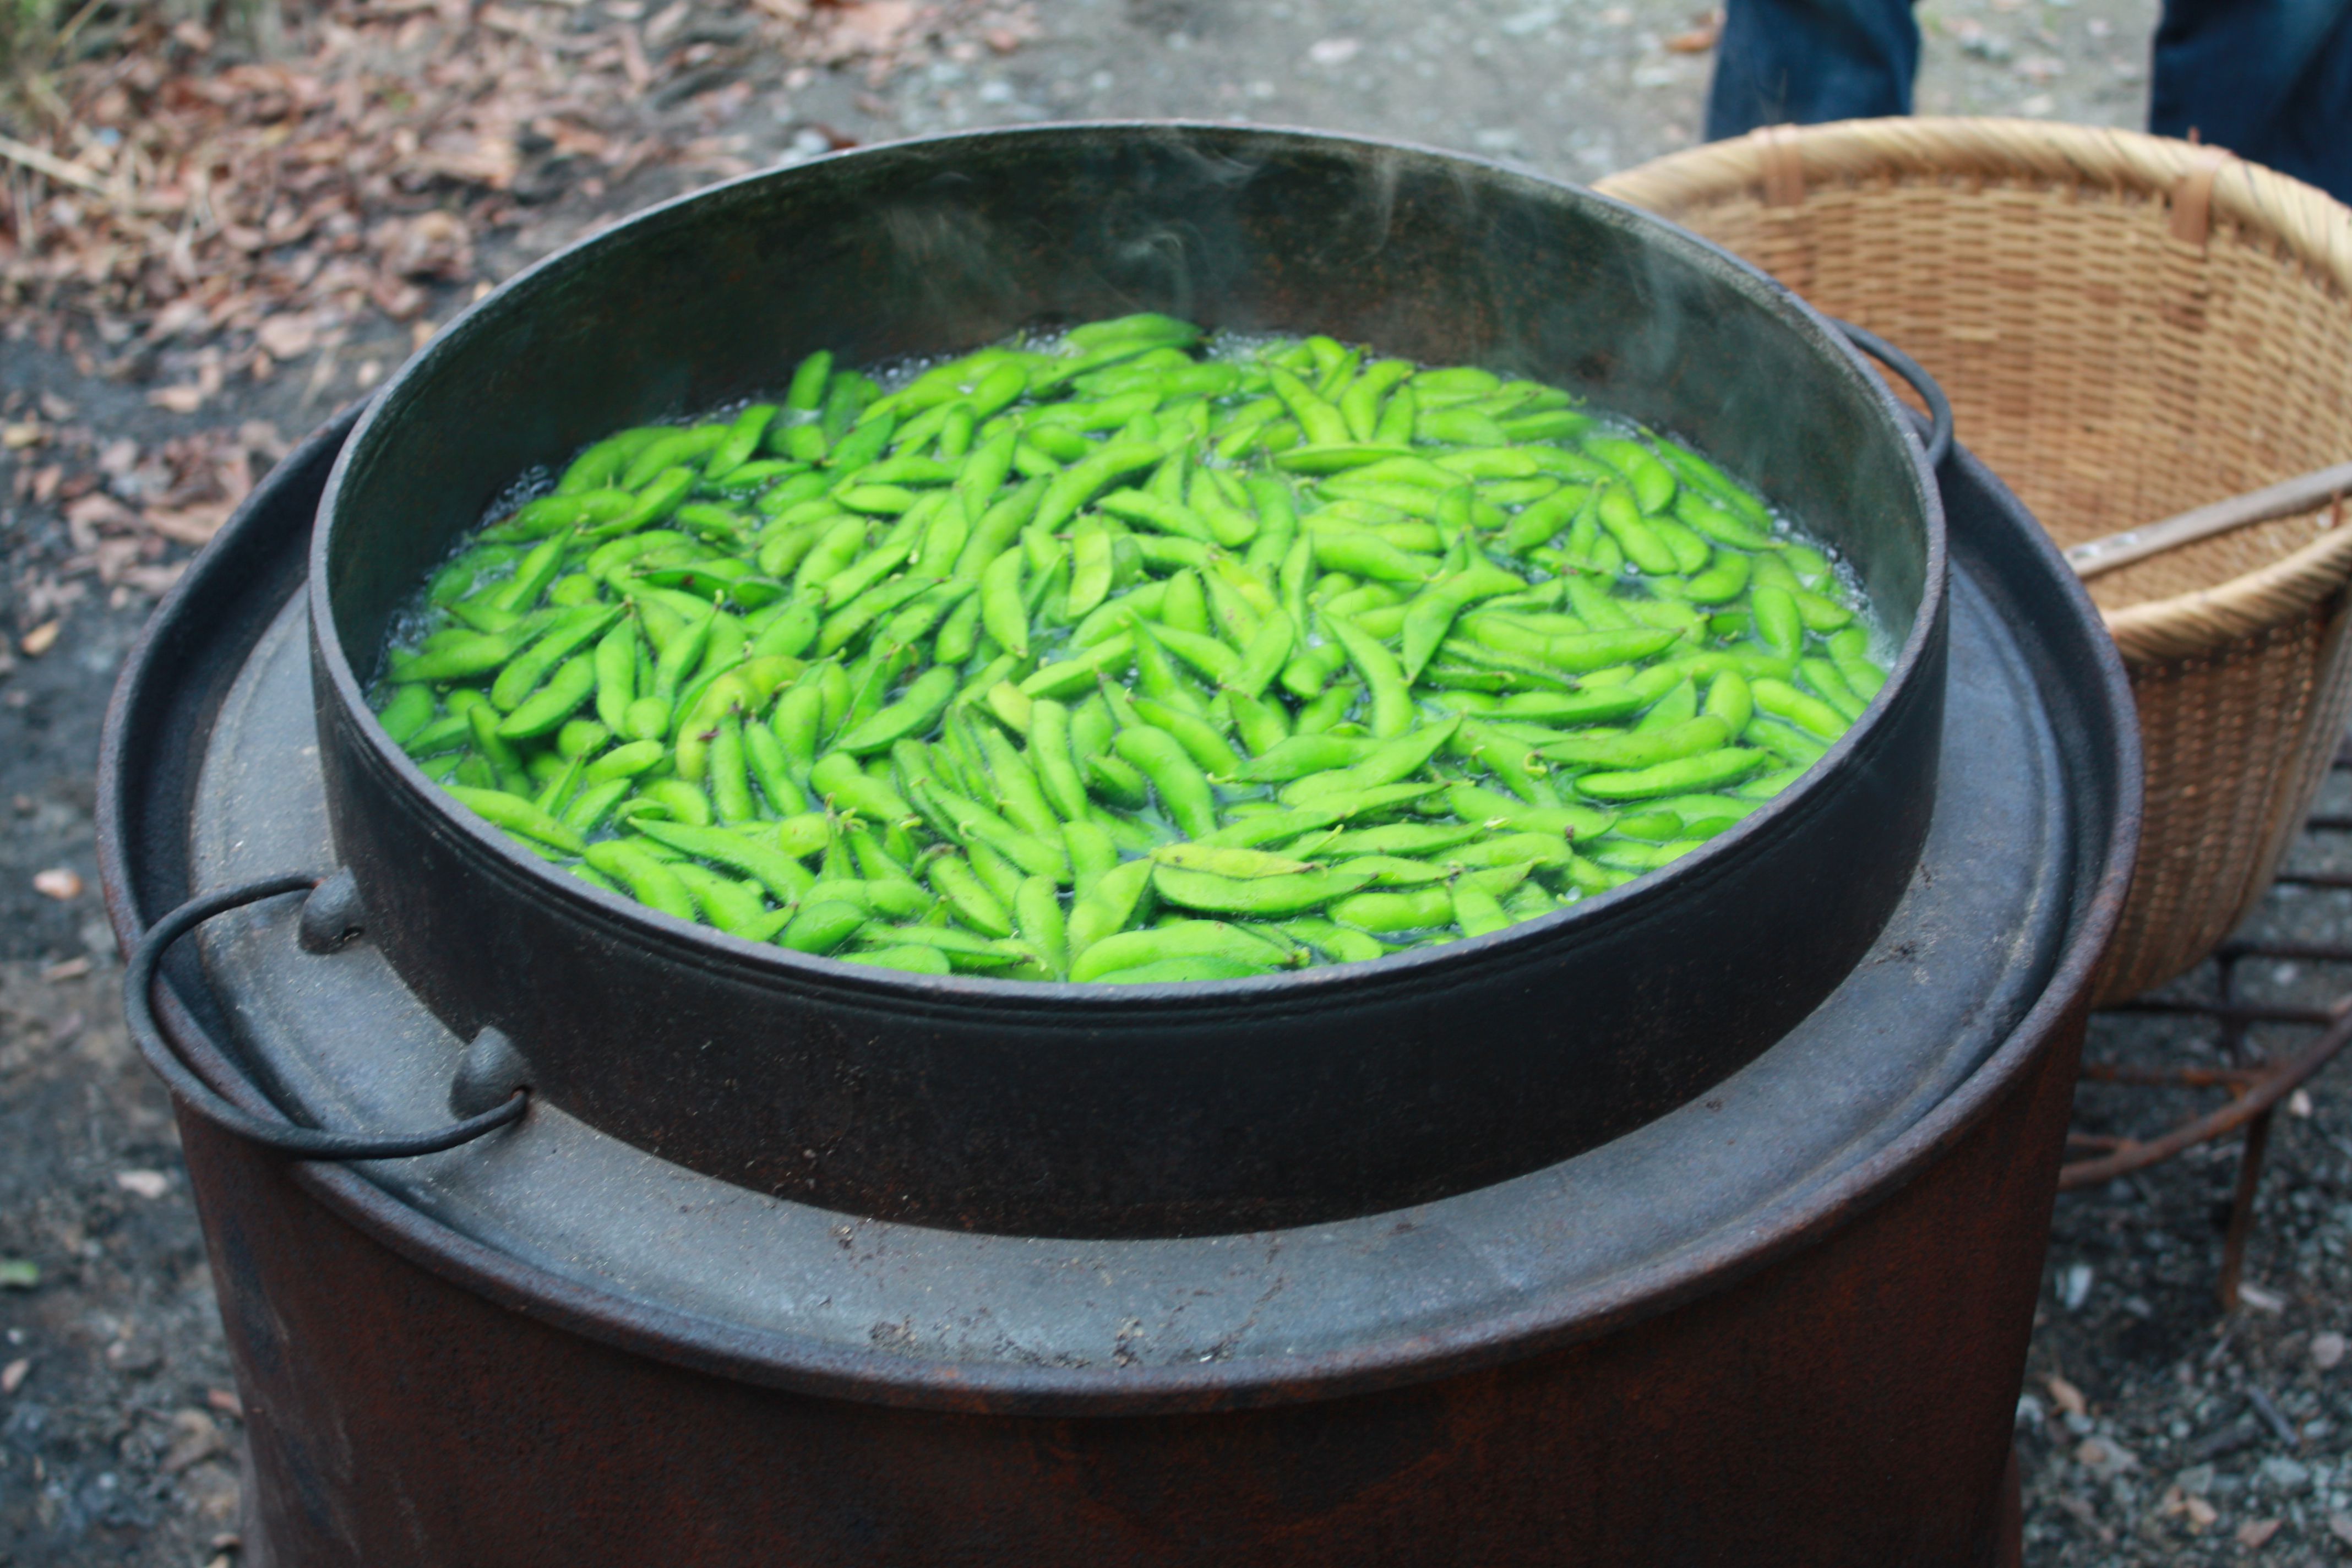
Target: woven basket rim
2312,227
2186,625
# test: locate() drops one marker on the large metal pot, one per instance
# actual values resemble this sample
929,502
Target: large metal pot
1095,1110
1781,1325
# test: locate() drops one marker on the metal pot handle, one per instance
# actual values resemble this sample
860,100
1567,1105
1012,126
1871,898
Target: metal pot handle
1939,407
284,1135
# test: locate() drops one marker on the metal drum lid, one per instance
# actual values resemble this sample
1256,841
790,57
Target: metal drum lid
772,1291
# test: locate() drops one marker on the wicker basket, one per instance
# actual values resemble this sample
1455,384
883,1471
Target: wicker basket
2129,327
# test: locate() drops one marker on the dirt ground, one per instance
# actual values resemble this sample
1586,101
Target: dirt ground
2154,1428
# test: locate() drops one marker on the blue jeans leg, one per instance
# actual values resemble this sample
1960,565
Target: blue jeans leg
2269,79
1804,61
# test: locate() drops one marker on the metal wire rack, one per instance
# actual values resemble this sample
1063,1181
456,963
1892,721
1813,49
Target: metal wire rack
2255,1083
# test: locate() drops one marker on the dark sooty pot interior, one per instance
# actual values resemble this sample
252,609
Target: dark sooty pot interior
1097,1110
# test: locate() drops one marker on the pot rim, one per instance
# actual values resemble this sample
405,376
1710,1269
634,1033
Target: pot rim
1299,988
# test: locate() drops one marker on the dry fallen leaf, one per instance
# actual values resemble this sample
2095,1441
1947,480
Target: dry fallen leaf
13,1375
196,1437
1700,38
148,1184
2255,1534
60,882
40,639
286,337
183,399
2066,1396
68,969
189,524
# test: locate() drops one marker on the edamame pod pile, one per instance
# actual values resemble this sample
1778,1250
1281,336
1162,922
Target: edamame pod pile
1128,656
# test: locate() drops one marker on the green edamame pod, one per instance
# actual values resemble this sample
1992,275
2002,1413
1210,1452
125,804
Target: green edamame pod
1729,700
1807,712
1706,517
1131,952
1182,788
674,449
797,722
953,877
1090,475
1107,907
516,814
836,779
1093,855
729,773
1384,679
1264,896
1477,911
1779,625
1829,684
649,881
1652,481
822,927
600,463
1050,752
733,907
572,684
1707,770
1019,791
461,658
1208,749
806,393
1850,651
740,439
1037,917
588,809
505,769
1419,909
912,714
1617,514
408,713
1003,612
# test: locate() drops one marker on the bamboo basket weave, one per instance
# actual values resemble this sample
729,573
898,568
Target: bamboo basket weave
2129,327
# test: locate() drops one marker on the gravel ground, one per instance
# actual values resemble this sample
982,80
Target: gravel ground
2154,1428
